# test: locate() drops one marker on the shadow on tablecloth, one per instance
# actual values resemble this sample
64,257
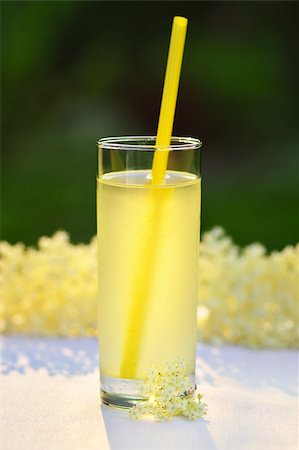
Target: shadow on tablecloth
177,434
251,368
79,356
66,357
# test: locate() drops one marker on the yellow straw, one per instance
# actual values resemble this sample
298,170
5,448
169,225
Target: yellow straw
169,97
145,266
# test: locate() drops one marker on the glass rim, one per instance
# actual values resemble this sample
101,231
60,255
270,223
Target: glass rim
127,143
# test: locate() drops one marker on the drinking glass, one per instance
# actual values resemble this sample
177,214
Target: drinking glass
148,246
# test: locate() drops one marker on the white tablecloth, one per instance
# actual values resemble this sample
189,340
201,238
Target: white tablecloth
49,401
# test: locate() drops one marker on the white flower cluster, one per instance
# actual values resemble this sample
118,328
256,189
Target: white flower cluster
245,296
50,290
168,392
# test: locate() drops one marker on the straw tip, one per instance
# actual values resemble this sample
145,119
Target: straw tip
180,21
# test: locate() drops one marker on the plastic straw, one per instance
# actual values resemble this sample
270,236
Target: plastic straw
145,268
169,98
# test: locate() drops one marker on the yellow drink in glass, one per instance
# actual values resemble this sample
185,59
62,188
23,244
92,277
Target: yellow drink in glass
148,244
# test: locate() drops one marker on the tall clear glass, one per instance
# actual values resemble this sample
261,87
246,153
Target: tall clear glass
148,245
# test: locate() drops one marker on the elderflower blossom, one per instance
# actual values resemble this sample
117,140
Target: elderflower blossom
50,290
168,392
246,296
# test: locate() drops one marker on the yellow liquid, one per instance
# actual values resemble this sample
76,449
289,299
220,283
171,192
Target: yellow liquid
148,243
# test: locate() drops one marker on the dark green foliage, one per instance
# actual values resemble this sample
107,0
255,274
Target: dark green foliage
74,71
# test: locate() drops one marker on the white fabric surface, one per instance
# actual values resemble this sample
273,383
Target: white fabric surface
49,401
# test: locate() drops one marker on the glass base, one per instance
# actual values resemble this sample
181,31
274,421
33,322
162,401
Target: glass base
122,393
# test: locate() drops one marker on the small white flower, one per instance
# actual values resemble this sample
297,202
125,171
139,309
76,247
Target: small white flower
167,399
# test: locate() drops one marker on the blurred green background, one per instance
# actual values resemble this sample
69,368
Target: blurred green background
74,71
